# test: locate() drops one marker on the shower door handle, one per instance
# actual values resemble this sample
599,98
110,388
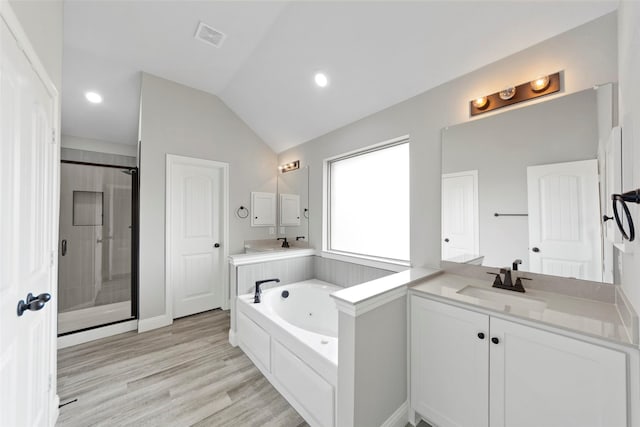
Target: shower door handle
63,250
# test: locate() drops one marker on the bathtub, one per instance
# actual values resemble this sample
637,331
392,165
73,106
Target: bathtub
292,337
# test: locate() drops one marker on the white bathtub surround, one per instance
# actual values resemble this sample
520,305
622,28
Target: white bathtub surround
290,266
293,340
372,356
569,354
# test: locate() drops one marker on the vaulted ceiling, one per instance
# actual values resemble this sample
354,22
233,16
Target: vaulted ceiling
375,54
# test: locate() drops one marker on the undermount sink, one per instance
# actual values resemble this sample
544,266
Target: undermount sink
503,300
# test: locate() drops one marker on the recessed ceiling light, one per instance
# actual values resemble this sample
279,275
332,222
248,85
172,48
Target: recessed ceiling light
93,97
321,79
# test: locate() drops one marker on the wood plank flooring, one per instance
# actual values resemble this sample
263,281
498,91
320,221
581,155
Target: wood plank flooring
182,375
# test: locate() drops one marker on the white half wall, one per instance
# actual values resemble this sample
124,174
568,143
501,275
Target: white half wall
175,119
586,54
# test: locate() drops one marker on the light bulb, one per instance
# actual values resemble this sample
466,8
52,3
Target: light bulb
93,97
541,83
480,102
321,79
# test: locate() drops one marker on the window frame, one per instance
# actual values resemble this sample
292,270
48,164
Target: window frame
365,259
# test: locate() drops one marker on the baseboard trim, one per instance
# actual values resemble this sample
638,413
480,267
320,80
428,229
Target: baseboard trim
399,417
151,323
54,411
97,333
232,338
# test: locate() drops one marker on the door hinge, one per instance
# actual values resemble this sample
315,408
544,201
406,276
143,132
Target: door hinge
49,386
53,258
53,136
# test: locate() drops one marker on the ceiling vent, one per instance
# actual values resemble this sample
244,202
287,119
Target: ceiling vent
209,35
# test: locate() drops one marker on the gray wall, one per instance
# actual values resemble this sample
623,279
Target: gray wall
372,364
180,120
587,55
629,114
501,147
42,22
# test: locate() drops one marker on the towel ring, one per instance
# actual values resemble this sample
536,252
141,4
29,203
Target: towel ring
242,212
631,197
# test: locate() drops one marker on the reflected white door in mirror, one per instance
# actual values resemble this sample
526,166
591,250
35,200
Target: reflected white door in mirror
460,216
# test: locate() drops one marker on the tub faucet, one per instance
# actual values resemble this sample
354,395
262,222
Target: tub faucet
285,244
256,296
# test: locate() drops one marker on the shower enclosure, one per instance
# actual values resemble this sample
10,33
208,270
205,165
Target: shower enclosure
97,279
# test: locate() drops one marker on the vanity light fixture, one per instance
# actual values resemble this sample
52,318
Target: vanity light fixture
540,86
93,97
288,167
540,83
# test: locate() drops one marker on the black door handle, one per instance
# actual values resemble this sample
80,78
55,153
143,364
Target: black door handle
495,340
535,249
481,335
63,250
216,245
33,303
606,218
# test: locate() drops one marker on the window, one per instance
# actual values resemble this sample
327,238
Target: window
368,203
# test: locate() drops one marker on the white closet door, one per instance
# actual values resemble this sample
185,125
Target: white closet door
564,220
28,171
196,209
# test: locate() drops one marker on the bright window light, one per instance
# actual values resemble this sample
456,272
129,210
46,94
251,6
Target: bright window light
369,203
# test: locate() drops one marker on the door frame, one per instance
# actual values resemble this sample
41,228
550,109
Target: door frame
476,206
172,160
13,23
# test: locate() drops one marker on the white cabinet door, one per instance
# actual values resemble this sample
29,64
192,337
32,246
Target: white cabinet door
289,210
263,209
449,364
542,379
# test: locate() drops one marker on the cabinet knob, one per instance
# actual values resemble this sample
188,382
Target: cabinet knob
481,335
535,249
495,340
446,240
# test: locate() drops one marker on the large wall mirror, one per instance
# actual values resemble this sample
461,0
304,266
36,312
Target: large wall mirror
522,188
293,206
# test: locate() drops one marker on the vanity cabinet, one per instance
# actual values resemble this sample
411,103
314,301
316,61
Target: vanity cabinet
472,369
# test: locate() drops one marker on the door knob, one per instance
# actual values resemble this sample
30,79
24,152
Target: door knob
216,245
33,303
535,249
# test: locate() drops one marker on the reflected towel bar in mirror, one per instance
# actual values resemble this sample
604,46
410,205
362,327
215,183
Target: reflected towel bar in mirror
499,214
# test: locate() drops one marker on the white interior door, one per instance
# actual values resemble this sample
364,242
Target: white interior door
564,220
196,204
28,179
460,231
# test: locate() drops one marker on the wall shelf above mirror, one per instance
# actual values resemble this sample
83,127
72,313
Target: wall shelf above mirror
545,162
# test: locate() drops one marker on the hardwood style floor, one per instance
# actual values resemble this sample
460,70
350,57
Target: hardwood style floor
182,375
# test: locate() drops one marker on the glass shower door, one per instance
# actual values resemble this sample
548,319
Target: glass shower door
96,285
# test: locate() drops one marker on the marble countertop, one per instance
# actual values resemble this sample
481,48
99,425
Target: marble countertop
592,317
